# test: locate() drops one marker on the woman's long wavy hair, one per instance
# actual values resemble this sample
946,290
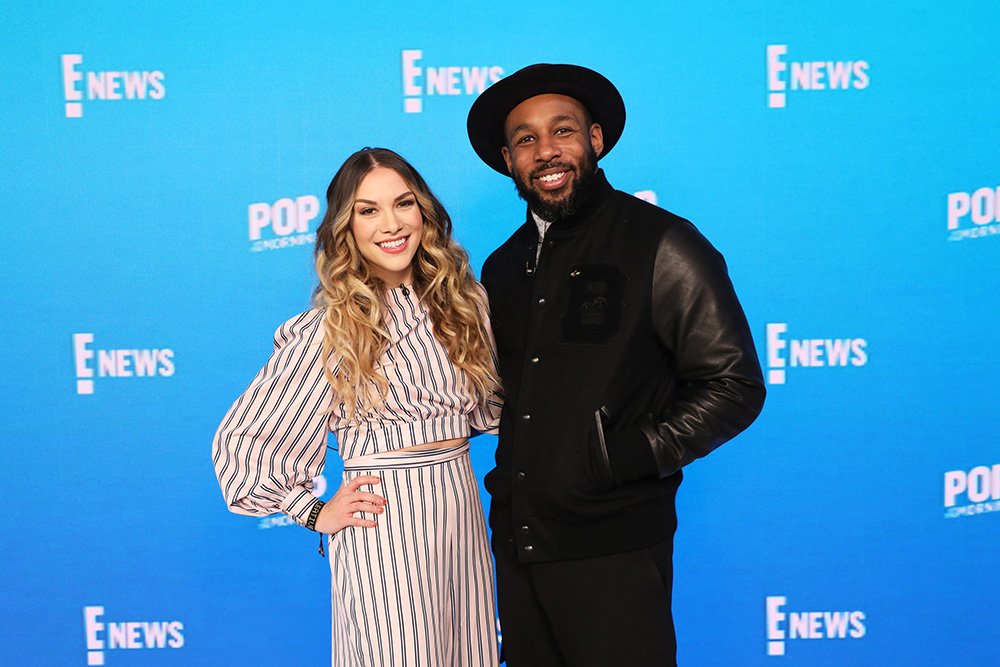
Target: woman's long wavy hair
353,297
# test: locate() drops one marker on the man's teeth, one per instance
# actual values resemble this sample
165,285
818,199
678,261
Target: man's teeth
392,244
552,177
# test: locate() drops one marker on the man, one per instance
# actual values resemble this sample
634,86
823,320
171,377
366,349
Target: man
624,355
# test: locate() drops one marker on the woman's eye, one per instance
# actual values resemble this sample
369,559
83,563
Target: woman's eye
406,203
367,210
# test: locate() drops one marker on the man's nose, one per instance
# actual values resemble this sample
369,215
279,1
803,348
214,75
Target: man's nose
546,149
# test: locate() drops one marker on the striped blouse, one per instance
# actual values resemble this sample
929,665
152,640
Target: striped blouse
272,441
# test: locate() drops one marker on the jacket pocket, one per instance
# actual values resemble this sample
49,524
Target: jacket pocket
575,470
600,464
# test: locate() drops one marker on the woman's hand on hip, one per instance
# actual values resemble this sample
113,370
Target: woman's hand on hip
349,500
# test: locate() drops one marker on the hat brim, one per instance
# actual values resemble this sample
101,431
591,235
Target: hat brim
489,112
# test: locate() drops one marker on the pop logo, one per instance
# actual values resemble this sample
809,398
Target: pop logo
785,626
450,80
111,85
810,75
127,635
124,363
981,206
980,488
287,221
809,352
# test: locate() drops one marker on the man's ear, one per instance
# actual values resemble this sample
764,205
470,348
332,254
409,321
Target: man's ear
506,158
597,138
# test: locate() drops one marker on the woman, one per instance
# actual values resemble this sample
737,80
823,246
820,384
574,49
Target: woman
396,359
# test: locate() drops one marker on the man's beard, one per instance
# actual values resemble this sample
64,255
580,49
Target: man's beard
555,210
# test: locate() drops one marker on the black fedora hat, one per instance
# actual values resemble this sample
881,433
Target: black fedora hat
489,111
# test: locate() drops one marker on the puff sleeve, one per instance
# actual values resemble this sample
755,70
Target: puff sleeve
485,418
273,439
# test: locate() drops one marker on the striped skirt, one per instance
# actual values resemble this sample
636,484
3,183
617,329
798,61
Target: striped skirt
418,588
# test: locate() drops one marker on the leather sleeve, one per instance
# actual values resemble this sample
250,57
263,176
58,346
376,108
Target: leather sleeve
719,387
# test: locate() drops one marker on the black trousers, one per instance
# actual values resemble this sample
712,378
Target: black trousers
609,610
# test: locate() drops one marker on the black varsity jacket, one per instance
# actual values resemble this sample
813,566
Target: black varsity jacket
624,355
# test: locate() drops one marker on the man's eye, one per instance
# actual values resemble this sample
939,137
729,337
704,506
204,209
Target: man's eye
564,130
525,139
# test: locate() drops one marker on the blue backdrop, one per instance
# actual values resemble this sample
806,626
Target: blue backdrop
163,174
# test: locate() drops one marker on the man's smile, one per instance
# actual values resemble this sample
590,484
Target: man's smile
552,179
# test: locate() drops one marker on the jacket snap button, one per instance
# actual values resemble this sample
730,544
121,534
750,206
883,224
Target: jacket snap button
520,476
574,274
541,301
526,417
534,360
524,529
529,548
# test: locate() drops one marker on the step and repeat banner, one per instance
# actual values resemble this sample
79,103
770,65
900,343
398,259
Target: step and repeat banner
163,173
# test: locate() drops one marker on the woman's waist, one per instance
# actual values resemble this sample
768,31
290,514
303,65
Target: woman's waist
389,433
396,432
437,444
410,457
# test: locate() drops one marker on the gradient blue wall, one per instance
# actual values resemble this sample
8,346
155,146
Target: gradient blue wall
856,523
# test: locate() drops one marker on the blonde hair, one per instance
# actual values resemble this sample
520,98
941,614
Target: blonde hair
353,297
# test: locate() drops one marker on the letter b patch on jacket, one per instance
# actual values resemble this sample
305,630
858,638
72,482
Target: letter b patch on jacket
594,313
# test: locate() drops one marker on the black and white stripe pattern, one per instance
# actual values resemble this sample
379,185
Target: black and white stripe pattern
429,399
418,588
272,442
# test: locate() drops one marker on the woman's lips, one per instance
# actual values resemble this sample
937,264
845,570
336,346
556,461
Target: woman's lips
394,246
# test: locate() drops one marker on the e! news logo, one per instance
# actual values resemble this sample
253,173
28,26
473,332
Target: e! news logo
981,207
783,353
810,75
127,635
448,80
120,363
974,492
283,224
785,626
281,520
111,85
